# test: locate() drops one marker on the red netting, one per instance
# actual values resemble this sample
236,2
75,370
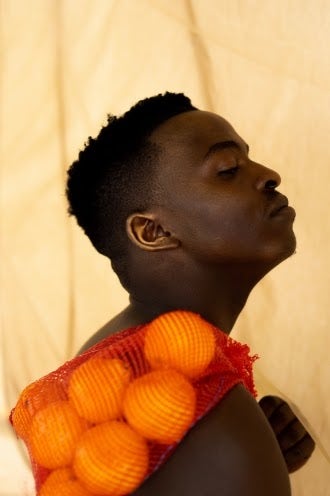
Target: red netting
106,420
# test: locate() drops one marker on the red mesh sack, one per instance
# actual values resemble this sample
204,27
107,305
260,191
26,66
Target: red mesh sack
106,420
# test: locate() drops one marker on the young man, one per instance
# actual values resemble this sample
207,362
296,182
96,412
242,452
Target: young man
190,221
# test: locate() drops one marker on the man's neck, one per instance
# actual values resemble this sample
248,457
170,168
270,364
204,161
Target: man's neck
218,299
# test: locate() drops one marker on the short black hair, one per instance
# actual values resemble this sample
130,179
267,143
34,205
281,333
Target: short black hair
113,175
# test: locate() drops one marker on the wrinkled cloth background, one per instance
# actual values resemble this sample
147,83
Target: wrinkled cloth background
65,64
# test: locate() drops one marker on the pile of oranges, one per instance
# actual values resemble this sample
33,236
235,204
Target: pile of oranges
94,434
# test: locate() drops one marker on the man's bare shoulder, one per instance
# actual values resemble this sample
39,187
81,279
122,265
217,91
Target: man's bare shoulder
232,451
119,323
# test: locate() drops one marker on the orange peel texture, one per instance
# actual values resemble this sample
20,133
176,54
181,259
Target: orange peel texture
180,340
54,433
160,405
97,387
63,482
33,398
111,459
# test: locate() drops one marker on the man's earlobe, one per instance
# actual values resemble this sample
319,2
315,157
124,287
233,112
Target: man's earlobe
145,231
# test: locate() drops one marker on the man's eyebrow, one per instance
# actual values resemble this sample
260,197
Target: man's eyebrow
222,145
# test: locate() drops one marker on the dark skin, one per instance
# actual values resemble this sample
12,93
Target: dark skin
219,226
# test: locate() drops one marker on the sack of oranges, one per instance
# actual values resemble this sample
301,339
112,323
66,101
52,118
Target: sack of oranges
106,420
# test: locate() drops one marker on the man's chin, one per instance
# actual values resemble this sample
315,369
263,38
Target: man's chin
286,251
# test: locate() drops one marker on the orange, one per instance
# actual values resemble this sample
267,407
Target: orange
111,459
97,387
33,398
160,405
63,482
54,433
180,340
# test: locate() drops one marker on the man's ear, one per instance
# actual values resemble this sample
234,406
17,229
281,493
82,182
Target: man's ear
146,232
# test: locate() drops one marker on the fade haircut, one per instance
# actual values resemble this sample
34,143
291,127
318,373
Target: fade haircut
113,176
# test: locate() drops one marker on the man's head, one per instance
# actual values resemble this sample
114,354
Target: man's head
114,175
185,190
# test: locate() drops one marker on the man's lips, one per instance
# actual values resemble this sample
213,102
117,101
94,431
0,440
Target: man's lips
281,204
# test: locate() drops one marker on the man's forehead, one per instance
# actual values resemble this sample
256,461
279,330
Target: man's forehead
195,127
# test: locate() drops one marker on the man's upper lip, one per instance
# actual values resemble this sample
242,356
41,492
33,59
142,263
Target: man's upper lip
280,202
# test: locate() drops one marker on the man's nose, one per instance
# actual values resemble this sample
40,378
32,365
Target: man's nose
267,179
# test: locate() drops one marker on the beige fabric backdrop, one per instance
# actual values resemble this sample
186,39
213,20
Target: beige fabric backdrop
263,65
